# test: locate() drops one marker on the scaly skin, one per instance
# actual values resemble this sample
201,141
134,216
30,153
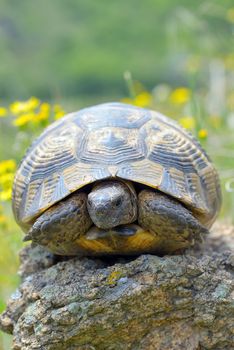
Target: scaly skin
112,203
59,226
164,225
174,225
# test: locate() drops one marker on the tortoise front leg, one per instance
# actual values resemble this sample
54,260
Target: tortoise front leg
164,216
59,226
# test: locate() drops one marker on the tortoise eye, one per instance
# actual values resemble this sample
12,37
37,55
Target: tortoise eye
118,202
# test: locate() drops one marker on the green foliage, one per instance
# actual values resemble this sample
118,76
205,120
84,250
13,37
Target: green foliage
70,48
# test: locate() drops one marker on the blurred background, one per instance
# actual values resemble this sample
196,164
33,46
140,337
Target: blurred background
175,56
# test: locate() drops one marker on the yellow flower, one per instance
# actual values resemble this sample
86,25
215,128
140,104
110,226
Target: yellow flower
19,107
3,112
202,134
24,119
180,95
230,15
143,99
7,166
45,107
43,113
5,195
59,112
6,180
3,219
187,122
59,115
57,108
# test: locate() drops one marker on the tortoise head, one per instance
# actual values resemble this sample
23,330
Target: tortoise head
112,203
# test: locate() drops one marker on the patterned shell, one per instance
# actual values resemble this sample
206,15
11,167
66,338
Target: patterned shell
115,140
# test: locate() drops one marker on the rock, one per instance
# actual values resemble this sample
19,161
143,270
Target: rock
147,302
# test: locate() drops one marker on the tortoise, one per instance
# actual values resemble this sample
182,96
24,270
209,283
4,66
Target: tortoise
115,179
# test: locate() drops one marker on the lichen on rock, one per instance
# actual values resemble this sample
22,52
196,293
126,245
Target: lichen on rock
147,302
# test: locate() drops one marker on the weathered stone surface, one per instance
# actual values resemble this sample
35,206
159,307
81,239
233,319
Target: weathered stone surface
172,302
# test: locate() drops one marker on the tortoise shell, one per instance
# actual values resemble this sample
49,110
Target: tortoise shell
115,140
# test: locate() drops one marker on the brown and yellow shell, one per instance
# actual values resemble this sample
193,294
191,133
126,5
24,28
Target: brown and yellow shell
115,140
